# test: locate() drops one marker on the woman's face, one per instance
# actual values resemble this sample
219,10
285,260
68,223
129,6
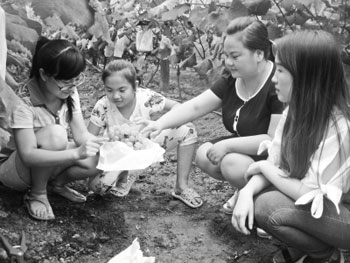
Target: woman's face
65,88
119,90
241,61
283,81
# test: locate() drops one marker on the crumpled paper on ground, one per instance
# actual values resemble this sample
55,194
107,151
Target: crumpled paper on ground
119,156
132,254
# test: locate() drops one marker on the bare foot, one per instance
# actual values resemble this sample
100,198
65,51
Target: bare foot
38,206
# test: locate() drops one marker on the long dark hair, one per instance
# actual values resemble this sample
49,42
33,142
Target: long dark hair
59,59
319,87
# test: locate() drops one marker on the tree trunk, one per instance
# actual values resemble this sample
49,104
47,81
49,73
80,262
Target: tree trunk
164,74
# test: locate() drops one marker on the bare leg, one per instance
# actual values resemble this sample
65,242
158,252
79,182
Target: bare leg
49,138
205,165
79,170
184,164
233,167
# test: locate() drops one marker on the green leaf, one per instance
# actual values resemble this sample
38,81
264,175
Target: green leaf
298,18
165,6
76,12
258,7
199,17
23,34
189,62
307,2
100,29
274,31
176,12
203,67
212,7
287,4
237,9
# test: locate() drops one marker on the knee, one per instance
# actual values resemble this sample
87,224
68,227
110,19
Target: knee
269,213
233,168
189,134
201,158
261,213
228,164
52,137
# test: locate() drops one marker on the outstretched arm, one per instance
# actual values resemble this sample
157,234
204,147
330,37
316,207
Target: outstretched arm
189,111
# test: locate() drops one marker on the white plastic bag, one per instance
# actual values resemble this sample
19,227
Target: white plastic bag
117,155
144,41
132,254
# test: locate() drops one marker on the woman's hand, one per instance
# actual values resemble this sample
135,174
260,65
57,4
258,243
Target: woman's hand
253,169
91,147
243,213
217,152
151,129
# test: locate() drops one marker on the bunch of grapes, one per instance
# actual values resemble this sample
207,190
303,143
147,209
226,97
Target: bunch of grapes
128,135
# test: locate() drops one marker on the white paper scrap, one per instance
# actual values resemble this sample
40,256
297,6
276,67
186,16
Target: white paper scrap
132,254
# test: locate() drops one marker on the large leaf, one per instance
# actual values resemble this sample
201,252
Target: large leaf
56,24
174,13
298,18
287,4
199,17
237,9
100,28
219,20
76,12
165,6
274,31
15,19
203,67
23,34
122,5
258,7
189,62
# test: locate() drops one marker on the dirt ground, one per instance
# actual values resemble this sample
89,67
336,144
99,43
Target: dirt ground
167,229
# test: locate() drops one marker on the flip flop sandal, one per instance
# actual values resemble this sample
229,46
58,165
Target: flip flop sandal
123,188
230,204
69,193
28,199
190,197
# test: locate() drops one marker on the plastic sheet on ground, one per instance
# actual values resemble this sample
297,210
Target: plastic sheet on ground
119,156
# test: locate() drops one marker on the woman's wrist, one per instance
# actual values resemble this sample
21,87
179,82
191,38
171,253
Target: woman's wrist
75,154
247,191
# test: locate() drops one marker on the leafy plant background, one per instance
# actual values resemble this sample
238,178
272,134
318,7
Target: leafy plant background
184,34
